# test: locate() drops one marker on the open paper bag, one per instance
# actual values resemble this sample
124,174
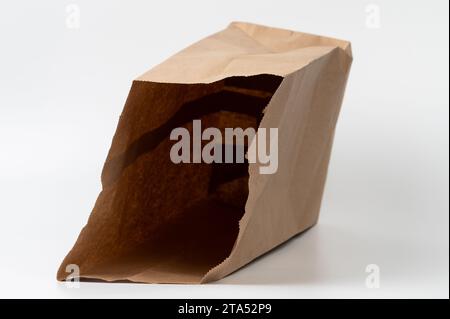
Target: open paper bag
156,221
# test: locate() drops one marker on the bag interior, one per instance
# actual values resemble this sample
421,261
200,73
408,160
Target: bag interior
166,221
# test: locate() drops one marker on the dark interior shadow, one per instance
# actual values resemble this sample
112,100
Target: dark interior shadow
188,246
242,95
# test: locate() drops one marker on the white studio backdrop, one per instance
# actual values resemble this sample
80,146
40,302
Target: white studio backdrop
65,71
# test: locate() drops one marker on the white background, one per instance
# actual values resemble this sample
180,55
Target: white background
386,200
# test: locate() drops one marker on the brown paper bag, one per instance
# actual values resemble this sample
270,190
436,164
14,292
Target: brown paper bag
160,222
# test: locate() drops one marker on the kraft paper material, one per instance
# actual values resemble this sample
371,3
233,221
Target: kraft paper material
159,222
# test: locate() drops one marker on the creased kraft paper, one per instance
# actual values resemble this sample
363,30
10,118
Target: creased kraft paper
159,222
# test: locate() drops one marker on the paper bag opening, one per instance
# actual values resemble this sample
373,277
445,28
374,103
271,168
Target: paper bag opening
173,222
